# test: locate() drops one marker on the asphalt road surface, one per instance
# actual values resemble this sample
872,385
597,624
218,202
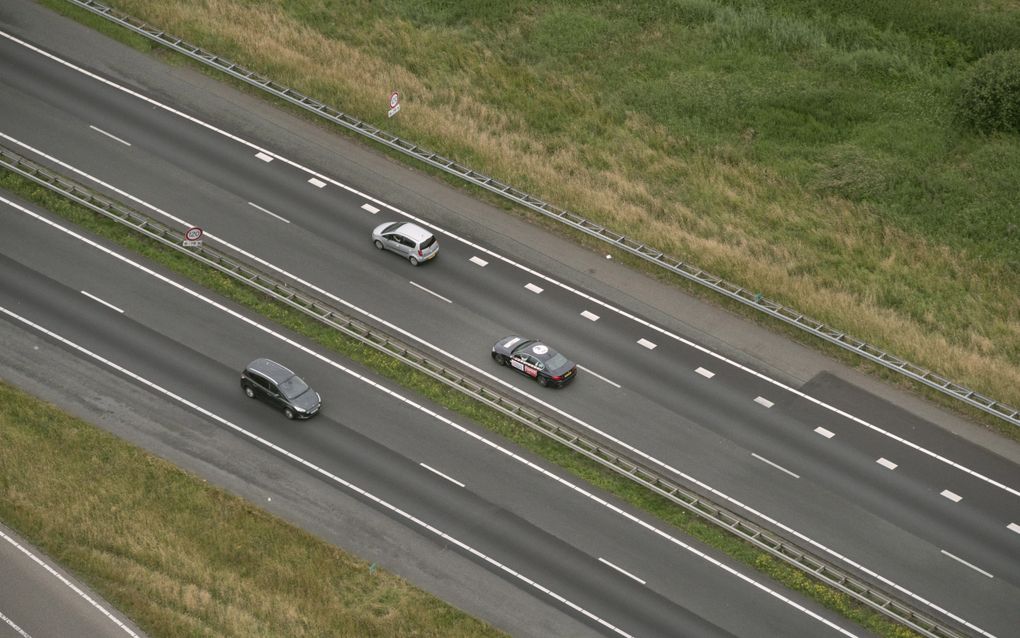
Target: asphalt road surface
872,482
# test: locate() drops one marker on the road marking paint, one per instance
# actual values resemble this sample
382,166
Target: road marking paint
975,568
15,627
109,135
420,287
105,303
54,572
826,433
956,498
435,471
370,208
590,316
780,596
1014,527
595,374
621,570
763,401
775,465
533,288
646,343
708,374
265,157
269,212
884,462
479,261
316,182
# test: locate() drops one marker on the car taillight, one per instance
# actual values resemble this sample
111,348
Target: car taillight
420,253
558,377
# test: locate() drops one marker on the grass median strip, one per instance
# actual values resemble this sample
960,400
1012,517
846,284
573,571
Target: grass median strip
455,401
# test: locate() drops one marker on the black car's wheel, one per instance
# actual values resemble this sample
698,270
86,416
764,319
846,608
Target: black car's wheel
378,244
287,412
249,392
542,381
500,359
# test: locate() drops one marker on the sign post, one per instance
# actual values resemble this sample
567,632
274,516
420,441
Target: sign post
394,104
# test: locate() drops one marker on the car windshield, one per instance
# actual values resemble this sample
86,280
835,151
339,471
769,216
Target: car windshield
293,387
555,361
392,227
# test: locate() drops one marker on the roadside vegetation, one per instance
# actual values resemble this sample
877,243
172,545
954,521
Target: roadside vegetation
182,558
40,493
858,161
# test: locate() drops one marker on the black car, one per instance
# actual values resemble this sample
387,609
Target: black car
534,359
278,386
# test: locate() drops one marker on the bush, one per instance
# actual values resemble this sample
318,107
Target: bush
989,97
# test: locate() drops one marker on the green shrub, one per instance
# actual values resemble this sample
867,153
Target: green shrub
989,97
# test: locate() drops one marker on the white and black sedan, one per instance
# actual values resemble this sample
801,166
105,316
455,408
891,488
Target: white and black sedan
535,359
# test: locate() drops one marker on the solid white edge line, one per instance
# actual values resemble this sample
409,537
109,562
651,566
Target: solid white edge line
590,316
826,433
58,575
477,437
974,567
109,135
708,374
514,389
775,465
435,471
596,374
622,571
21,632
268,212
105,303
619,311
479,261
434,294
494,255
370,208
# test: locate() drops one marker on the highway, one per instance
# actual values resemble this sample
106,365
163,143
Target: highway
570,547
856,478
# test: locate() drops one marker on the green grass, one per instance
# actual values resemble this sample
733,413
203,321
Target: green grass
802,148
182,558
61,543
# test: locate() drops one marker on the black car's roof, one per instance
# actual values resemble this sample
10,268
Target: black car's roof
536,349
271,369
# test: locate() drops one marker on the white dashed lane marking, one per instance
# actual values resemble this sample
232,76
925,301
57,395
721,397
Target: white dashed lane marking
533,288
109,135
434,294
884,462
105,303
956,498
316,182
763,401
265,157
1014,527
479,261
646,343
775,465
596,374
961,561
590,316
826,433
370,208
437,472
708,374
622,571
268,212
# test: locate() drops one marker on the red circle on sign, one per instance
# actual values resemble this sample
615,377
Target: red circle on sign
394,99
193,234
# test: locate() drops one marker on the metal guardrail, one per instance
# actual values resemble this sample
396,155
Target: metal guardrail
622,242
320,309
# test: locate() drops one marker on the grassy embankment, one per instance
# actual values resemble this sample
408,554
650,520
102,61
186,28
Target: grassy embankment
34,495
182,558
801,148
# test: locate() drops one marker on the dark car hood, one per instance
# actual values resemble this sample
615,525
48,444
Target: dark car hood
308,400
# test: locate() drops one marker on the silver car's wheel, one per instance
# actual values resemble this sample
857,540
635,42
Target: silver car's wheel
378,244
249,392
413,260
287,412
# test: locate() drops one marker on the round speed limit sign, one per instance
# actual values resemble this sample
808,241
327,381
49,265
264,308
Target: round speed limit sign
394,104
193,234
